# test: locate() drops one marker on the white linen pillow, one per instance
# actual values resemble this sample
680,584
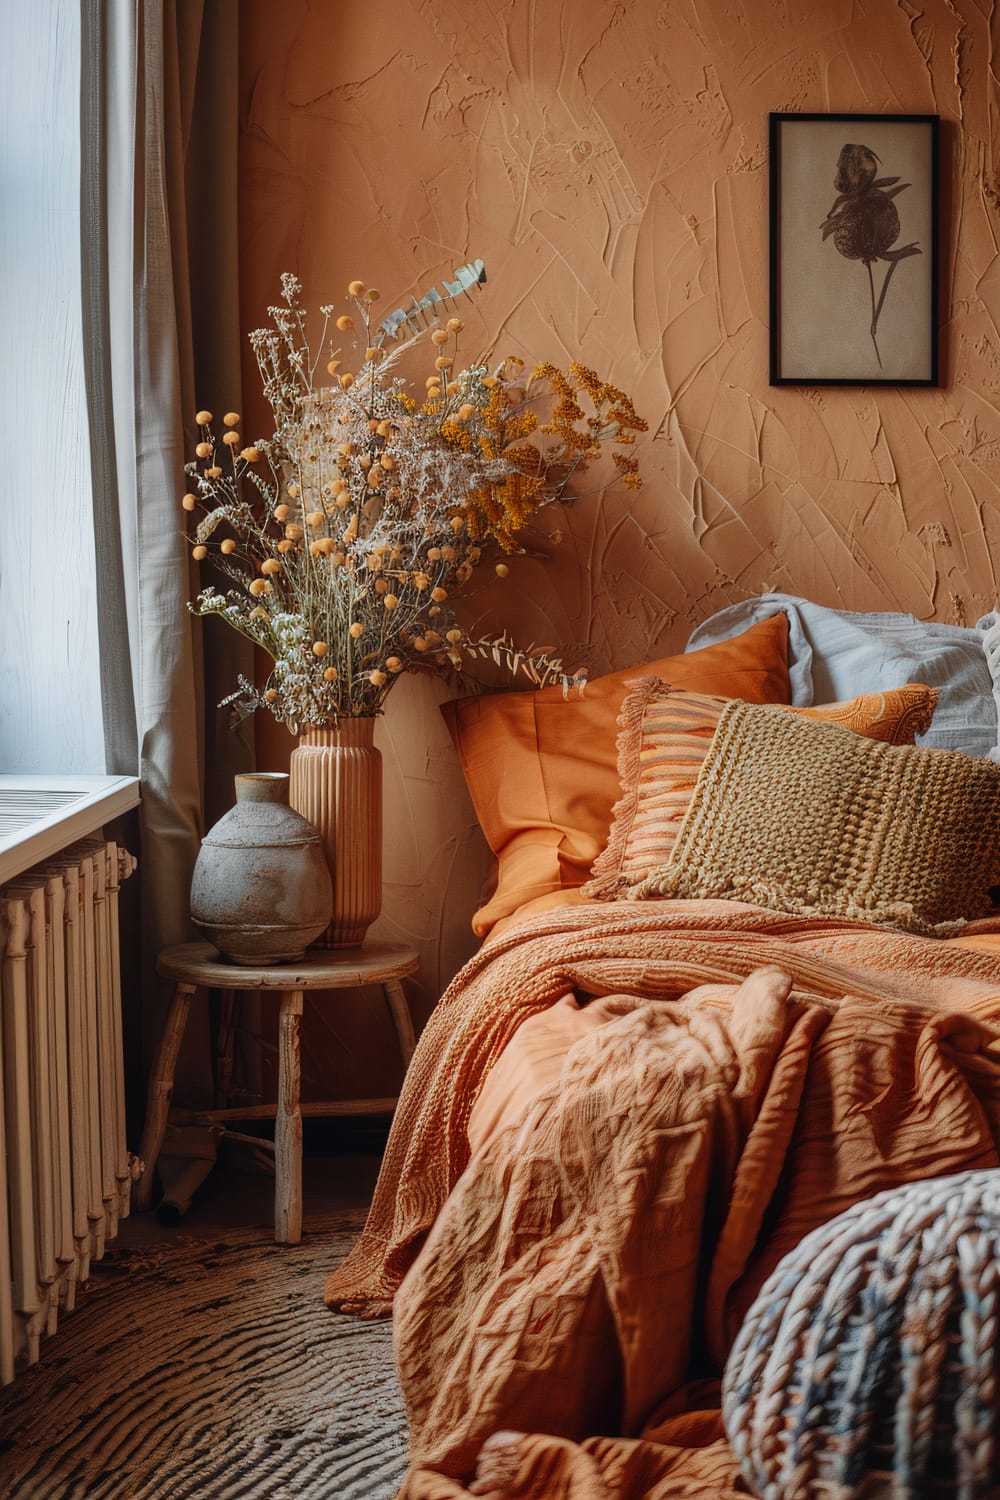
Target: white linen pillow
835,654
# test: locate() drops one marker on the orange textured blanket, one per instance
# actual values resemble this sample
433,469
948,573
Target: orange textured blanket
562,1330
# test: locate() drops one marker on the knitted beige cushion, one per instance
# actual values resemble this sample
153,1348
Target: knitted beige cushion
810,818
665,734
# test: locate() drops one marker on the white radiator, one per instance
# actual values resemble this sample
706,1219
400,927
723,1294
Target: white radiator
65,1171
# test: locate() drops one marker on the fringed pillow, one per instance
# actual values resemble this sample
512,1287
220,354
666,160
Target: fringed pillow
665,734
811,819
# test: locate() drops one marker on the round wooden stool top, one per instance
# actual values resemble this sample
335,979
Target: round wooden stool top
318,969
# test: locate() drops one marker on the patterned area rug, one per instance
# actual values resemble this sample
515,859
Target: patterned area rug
209,1370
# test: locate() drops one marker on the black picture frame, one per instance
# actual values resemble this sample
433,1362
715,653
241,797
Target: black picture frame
854,249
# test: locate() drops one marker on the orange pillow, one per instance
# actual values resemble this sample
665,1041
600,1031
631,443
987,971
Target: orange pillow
665,736
541,767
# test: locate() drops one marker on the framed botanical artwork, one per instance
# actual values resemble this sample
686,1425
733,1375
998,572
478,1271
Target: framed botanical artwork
854,208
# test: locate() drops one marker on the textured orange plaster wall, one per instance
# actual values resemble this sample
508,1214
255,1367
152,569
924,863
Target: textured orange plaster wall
609,163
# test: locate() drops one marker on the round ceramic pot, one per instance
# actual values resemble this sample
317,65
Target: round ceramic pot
261,890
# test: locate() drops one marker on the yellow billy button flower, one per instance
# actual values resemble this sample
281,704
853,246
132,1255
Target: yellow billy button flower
439,337
439,595
228,547
346,381
384,428
454,325
281,512
377,679
355,288
293,490
214,473
394,664
199,552
457,523
330,674
250,455
258,587
418,643
434,553
502,570
356,631
373,354
372,294
188,502
345,323
421,581
388,462
390,601
231,439
320,648
286,545
443,362
322,546
315,518
454,636
465,412
294,532
203,450
259,614
332,366
271,695
270,565
232,419
452,388
381,585
203,418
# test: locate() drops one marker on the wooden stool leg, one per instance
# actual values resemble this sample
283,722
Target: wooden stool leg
288,1124
401,1019
161,1088
224,1048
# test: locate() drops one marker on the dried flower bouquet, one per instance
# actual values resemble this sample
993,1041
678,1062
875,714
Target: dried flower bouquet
349,532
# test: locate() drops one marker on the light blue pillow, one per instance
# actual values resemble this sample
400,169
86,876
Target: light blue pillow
835,654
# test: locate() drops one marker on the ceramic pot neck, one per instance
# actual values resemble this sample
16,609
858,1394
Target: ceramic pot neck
262,786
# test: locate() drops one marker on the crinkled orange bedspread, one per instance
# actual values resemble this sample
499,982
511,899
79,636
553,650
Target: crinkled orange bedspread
749,1075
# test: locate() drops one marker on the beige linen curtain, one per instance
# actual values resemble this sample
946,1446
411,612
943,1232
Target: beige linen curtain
159,132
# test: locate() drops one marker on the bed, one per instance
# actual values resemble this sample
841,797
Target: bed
740,971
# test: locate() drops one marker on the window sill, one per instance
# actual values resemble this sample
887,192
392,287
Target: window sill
40,815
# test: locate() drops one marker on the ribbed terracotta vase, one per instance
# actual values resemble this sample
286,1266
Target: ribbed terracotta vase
336,782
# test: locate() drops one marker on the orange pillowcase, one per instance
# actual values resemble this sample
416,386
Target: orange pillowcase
665,736
541,768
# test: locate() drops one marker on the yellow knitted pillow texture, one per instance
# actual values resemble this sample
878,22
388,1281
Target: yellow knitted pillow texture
812,819
665,734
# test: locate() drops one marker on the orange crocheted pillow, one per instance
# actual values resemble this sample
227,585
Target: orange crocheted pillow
666,734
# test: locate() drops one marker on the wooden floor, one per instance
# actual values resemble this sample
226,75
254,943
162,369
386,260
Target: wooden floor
337,1175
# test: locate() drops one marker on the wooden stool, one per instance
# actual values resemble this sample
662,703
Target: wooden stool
199,965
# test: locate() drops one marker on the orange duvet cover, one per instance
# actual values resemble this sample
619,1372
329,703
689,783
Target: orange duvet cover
715,1081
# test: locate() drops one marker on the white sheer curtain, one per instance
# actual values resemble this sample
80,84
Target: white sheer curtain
159,128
